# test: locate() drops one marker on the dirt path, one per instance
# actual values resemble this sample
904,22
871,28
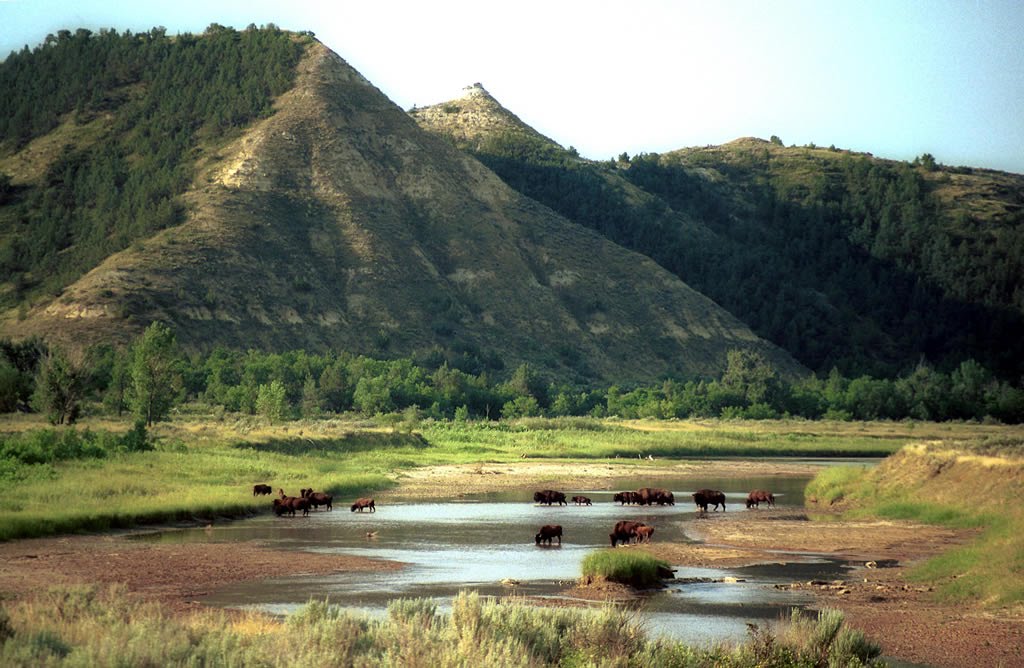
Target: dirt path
881,601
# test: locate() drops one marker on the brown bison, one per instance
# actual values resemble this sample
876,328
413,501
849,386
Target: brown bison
644,533
705,497
624,497
317,499
624,531
759,496
549,497
648,496
547,532
290,504
261,489
362,504
582,501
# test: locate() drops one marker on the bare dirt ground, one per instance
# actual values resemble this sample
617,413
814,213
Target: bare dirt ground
176,575
903,616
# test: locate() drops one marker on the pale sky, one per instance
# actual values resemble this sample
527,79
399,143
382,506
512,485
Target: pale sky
894,78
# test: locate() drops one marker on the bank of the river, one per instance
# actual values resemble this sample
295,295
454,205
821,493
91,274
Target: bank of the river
901,615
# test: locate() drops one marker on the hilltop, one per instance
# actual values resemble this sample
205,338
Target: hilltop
330,220
843,259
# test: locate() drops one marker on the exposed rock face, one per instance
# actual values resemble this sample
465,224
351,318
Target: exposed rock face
338,223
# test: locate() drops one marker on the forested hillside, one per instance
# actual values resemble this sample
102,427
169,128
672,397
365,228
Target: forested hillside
846,261
100,134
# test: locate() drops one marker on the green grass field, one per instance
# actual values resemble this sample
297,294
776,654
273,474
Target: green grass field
204,467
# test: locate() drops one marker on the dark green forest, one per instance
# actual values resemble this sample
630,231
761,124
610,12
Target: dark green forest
153,376
856,267
159,98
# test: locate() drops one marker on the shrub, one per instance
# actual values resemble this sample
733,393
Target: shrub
631,567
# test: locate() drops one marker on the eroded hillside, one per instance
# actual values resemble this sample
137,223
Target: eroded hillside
338,223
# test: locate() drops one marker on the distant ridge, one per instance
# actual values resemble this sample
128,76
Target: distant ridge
845,260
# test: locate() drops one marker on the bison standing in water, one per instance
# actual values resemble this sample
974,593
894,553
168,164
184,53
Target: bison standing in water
624,531
622,497
547,532
644,533
648,496
759,496
582,501
549,497
317,499
704,497
289,504
362,504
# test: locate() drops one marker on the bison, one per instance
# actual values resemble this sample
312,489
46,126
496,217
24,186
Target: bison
582,501
626,497
261,489
644,533
759,496
549,497
648,496
547,532
624,531
362,504
289,504
704,497
317,499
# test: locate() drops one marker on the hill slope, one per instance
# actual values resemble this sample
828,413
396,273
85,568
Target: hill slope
336,222
843,259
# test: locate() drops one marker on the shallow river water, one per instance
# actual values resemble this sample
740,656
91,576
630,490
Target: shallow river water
476,541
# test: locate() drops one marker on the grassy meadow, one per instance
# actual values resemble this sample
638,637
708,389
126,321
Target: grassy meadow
200,467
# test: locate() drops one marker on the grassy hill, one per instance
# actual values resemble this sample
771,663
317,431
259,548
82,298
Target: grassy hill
320,216
842,259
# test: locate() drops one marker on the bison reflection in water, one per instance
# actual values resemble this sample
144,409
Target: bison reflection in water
547,532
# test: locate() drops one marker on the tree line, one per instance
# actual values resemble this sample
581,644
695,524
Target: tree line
153,377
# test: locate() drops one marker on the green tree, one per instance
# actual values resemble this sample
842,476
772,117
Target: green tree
520,407
60,387
310,398
155,372
751,376
272,401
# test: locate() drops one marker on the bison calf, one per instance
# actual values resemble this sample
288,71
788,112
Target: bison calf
582,501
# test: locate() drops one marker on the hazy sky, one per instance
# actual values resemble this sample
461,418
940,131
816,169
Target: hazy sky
894,78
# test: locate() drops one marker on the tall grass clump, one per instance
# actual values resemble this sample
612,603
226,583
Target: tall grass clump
631,567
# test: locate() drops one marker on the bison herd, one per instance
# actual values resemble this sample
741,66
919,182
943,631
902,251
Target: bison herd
628,531
624,532
308,499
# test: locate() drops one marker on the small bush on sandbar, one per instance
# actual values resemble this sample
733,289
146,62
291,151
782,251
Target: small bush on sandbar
631,567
